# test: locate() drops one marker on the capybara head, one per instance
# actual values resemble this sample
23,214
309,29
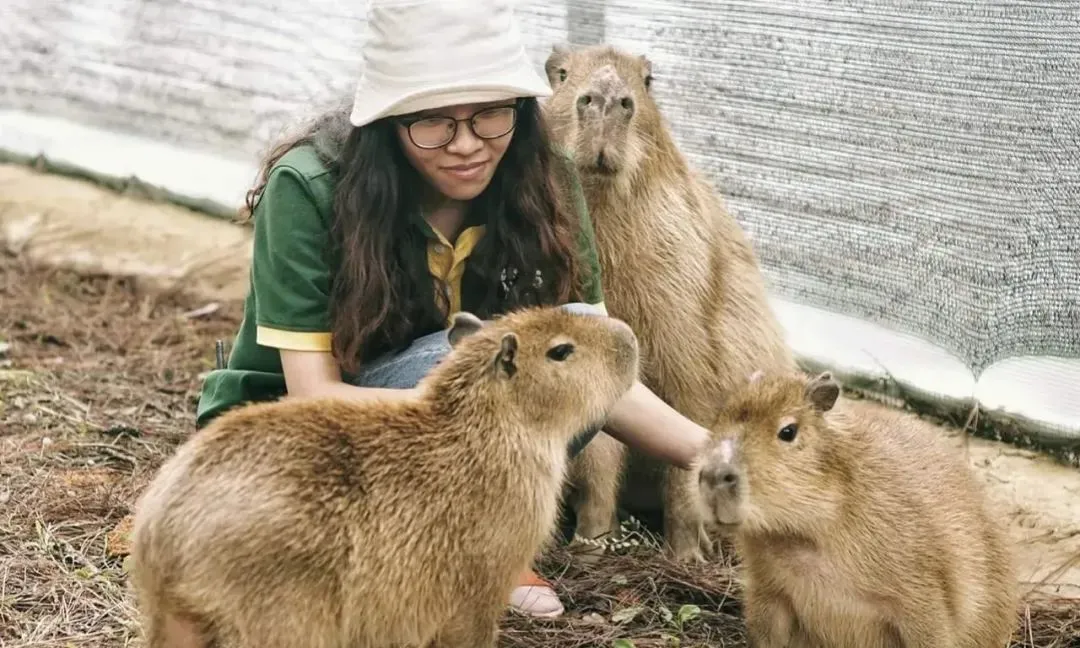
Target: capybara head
771,466
601,109
542,367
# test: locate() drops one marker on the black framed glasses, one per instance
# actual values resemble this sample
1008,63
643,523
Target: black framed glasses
438,131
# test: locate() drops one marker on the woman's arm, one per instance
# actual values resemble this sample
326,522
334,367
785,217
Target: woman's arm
645,422
315,374
291,281
641,419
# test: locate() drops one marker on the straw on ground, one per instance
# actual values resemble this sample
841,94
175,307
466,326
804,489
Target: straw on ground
98,384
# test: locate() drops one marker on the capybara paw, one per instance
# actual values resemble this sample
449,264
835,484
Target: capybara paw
586,557
687,543
585,552
687,554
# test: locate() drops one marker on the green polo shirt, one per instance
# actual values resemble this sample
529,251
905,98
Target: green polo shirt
287,305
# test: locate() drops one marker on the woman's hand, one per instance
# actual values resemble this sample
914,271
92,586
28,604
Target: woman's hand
645,422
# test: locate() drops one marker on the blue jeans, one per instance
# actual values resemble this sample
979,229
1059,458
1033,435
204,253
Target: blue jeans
404,369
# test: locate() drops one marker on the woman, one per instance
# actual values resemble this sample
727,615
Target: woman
437,191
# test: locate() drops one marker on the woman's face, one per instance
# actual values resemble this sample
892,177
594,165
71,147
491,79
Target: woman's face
449,154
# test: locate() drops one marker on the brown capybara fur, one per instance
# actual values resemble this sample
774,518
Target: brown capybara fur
328,523
676,265
856,527
593,485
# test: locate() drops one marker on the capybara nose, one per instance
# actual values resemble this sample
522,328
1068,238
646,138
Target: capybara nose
719,476
620,326
623,330
599,103
587,100
626,342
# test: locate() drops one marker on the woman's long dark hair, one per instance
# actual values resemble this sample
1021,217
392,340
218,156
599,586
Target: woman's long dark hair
382,294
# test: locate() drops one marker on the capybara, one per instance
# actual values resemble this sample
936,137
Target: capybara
327,523
676,265
593,484
856,527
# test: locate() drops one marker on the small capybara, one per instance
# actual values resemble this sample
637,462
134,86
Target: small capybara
856,527
327,523
677,267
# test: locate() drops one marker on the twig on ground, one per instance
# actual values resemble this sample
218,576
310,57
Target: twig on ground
123,397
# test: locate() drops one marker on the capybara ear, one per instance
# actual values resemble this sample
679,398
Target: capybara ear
553,66
462,325
505,360
822,391
756,376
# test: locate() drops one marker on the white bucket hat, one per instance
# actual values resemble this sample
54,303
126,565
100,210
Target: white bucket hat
423,54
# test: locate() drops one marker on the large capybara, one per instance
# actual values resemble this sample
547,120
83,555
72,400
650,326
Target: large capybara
856,527
676,265
328,523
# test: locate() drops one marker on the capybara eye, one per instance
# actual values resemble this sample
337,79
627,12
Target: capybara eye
562,74
627,103
788,432
559,352
648,81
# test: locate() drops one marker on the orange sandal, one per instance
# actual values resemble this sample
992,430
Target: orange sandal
535,597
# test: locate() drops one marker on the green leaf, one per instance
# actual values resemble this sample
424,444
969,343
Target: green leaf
688,613
622,643
626,614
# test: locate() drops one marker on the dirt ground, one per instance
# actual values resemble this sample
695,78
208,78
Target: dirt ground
98,383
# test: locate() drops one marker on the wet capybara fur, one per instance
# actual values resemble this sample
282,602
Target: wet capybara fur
856,526
676,265
326,523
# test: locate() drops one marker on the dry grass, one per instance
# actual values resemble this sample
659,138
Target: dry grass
98,386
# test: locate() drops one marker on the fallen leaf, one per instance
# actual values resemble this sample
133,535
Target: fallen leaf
626,614
118,541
